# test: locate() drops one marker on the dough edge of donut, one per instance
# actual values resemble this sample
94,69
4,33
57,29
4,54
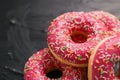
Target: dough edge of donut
65,61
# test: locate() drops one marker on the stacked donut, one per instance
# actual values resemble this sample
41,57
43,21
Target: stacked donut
77,40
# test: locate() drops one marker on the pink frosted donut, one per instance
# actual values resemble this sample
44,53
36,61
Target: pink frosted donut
43,66
111,22
73,35
104,63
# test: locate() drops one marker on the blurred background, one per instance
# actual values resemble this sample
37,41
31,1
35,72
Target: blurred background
23,28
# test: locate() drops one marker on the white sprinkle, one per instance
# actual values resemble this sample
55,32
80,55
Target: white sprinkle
96,78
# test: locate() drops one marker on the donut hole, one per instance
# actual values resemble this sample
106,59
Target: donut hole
117,69
54,74
79,37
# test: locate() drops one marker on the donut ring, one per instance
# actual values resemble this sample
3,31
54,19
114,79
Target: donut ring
41,64
72,36
104,63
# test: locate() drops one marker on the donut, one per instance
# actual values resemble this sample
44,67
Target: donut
73,35
104,63
43,66
111,22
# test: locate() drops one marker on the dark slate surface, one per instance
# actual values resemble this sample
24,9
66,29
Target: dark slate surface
23,28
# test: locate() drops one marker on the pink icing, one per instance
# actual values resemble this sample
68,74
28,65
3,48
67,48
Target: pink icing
42,62
111,22
103,63
59,36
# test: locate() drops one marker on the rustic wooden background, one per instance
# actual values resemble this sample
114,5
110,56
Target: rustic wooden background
24,23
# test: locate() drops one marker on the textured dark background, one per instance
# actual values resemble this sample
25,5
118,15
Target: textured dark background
23,28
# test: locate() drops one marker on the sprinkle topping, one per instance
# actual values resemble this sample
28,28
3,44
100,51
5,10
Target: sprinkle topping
42,62
106,58
77,33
